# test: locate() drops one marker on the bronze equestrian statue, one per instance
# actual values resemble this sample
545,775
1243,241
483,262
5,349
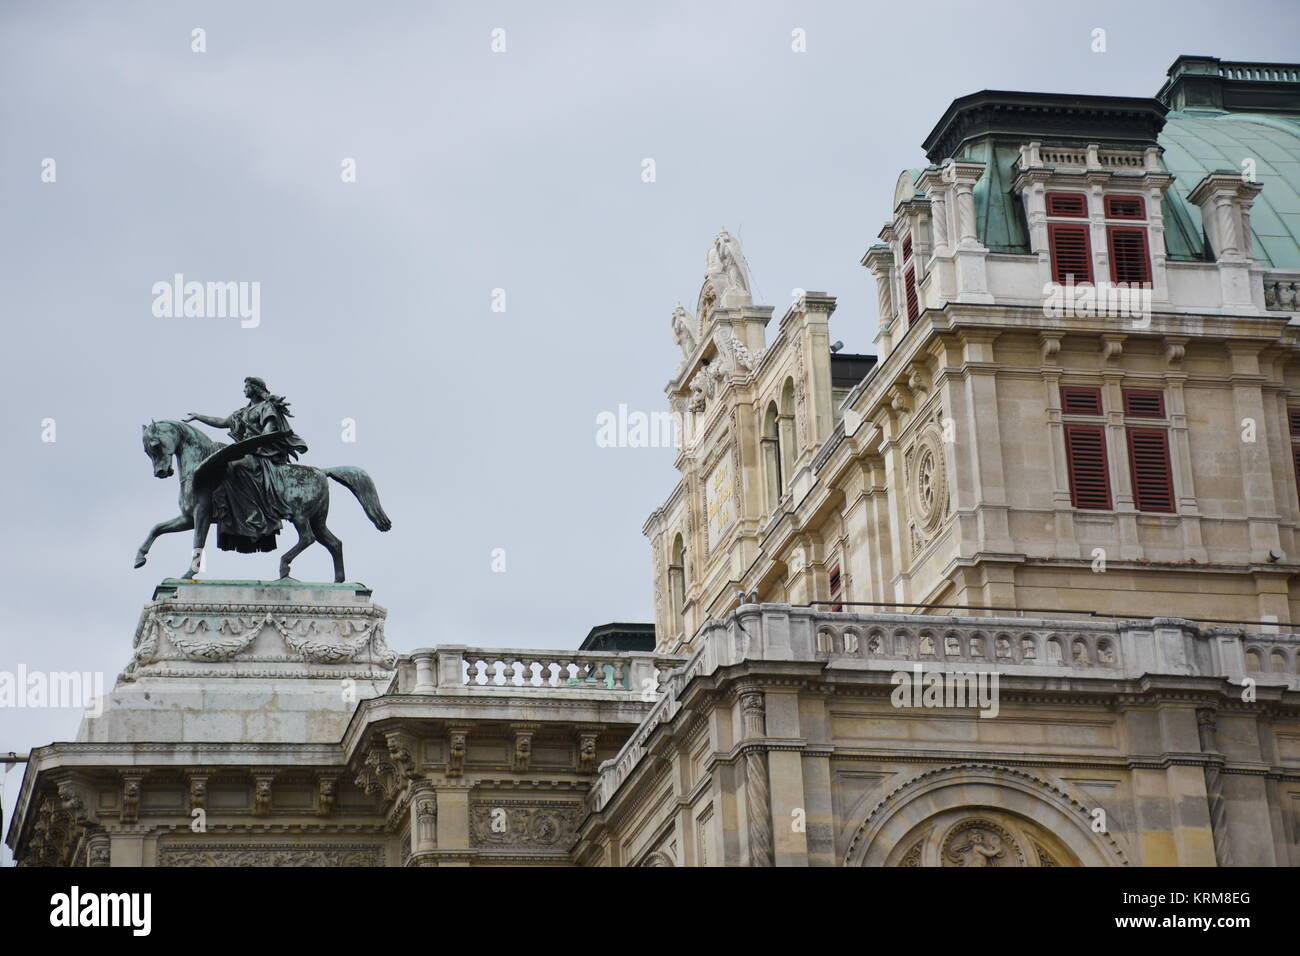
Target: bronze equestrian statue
248,487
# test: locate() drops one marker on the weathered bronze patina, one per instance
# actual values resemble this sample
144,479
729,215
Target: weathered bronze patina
250,486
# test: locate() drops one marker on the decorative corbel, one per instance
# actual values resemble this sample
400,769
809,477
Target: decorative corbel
399,751
1112,347
523,754
132,783
327,793
1175,349
918,380
198,792
587,737
262,793
1051,347
456,746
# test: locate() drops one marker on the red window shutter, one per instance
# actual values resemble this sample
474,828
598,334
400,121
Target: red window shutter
1128,254
1067,204
1148,458
1293,414
1077,400
837,592
913,307
1125,207
907,248
1071,252
1085,453
1295,457
1144,403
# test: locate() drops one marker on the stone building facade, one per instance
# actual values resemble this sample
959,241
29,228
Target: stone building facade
1018,590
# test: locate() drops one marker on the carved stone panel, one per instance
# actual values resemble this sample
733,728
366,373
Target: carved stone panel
519,824
270,854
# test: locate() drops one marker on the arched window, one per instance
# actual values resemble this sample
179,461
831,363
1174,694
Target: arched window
771,442
786,430
677,583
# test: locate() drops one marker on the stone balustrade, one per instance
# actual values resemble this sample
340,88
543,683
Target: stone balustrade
455,669
1029,647
1282,291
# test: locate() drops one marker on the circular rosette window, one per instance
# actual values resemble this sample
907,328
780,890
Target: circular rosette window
929,481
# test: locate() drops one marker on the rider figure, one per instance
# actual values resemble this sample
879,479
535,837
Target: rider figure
248,505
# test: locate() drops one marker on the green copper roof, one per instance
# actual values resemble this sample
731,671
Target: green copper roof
1197,142
1210,116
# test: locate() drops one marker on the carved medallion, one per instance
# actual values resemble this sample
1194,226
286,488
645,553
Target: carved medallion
980,842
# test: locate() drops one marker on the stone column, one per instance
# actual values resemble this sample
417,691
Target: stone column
424,820
972,274
1214,786
758,799
880,260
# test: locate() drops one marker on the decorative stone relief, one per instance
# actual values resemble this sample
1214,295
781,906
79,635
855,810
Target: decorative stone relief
172,634
511,823
980,842
349,645
801,400
926,474
271,854
913,856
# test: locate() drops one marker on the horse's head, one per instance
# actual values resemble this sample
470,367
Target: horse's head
160,445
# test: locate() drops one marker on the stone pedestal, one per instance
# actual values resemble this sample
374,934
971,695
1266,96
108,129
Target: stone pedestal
247,662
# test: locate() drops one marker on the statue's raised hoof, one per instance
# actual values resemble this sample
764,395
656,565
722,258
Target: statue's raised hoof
139,560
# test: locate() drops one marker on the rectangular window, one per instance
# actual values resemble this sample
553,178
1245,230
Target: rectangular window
1293,423
1074,205
1077,400
1148,457
837,589
1144,403
1071,253
1125,207
1128,254
907,248
1085,453
913,308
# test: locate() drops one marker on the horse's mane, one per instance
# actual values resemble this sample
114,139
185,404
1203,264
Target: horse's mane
208,445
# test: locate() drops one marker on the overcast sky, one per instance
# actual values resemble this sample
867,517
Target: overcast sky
475,171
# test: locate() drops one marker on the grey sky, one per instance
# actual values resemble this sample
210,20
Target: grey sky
475,171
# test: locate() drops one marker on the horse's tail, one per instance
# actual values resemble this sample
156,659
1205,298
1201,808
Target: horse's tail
358,482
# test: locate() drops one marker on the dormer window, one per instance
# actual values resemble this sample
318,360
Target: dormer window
1067,242
1129,258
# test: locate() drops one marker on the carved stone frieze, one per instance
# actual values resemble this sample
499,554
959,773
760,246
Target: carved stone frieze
270,854
510,823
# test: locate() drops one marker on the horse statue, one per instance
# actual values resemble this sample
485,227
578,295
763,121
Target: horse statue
205,466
